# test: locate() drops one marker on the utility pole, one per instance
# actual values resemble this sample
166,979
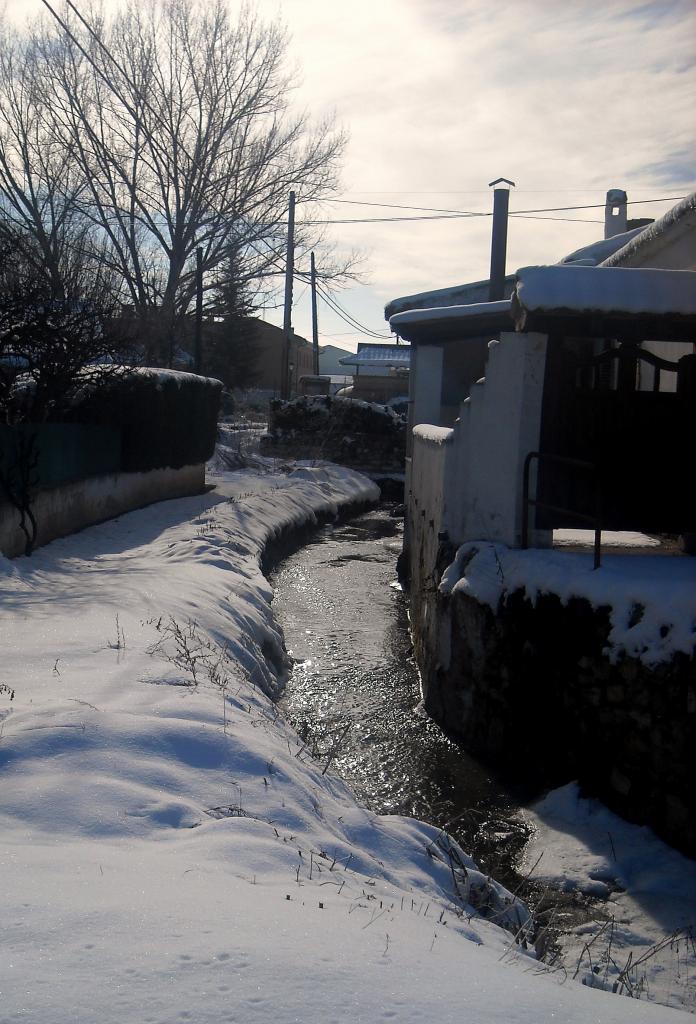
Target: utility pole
501,199
287,315
315,322
198,338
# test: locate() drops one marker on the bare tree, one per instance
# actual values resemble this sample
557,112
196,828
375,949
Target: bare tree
40,185
179,122
53,347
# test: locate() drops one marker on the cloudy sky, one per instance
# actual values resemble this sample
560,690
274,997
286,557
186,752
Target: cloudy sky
566,97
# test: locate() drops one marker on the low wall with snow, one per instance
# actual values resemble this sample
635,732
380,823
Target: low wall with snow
550,682
63,510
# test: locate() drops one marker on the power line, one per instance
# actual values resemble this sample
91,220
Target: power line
597,206
393,206
351,323
479,191
336,304
344,315
566,220
443,214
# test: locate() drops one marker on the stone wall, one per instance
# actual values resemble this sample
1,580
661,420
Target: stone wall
530,690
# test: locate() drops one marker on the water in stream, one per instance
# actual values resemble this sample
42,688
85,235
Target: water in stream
354,694
354,691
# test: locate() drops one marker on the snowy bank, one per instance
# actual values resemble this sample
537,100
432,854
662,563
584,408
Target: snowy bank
646,945
651,598
170,851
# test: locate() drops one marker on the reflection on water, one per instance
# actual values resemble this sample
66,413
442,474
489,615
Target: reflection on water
354,692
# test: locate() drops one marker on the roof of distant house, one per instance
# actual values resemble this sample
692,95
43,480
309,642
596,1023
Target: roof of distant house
593,254
379,355
271,331
329,359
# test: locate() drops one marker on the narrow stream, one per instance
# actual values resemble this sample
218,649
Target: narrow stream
354,692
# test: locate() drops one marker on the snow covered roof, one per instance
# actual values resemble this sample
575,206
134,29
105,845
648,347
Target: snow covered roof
441,323
379,355
596,252
662,299
671,229
456,295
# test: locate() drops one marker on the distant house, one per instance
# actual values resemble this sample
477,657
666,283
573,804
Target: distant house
270,341
329,361
260,359
380,371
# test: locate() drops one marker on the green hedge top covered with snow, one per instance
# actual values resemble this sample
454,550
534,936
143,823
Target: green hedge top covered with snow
167,418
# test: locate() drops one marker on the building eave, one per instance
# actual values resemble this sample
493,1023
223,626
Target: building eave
452,323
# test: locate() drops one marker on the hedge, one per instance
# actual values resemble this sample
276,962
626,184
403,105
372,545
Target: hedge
65,452
166,418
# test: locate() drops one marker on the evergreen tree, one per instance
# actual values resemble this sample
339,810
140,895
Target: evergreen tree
231,353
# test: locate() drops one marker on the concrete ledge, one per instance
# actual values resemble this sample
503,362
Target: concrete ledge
72,507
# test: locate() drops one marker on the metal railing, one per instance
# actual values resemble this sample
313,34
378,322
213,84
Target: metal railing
595,521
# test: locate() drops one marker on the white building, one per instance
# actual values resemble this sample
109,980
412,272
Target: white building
622,312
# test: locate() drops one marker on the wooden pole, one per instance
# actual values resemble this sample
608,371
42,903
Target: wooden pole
315,322
287,313
198,340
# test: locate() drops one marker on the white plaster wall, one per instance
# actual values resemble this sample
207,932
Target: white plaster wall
427,384
466,481
425,388
433,452
504,424
674,249
64,510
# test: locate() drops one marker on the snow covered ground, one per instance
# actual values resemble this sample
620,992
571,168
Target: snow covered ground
646,946
170,852
610,539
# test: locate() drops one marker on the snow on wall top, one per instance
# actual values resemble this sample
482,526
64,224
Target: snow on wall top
603,290
432,434
322,404
652,598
